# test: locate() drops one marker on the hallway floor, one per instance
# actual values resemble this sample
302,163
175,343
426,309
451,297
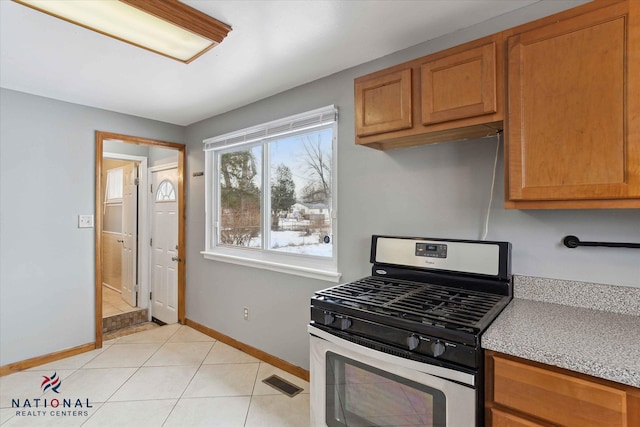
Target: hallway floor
168,376
113,304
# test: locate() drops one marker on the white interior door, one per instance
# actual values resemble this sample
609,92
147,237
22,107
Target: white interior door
129,233
164,245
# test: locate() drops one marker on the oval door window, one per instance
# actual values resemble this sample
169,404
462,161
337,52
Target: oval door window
166,192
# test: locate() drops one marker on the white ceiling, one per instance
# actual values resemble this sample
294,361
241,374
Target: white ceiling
274,46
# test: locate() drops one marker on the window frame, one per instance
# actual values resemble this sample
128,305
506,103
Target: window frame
317,267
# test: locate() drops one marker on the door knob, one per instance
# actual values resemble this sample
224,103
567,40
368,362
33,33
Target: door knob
175,258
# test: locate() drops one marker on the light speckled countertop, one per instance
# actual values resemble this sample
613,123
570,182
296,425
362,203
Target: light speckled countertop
603,344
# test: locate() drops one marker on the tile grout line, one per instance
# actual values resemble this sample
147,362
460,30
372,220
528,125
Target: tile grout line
137,369
253,390
189,383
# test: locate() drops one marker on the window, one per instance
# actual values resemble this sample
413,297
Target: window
113,193
112,207
271,195
166,192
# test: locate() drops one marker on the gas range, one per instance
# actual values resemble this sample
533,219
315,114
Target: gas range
427,299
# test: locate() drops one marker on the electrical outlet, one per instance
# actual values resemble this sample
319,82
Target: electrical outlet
85,221
246,313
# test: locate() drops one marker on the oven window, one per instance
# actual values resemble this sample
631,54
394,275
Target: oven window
359,395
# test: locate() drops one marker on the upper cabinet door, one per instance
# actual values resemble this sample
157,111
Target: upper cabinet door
383,103
457,93
460,85
574,111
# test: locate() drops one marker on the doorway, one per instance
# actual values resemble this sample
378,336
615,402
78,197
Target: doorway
122,206
135,210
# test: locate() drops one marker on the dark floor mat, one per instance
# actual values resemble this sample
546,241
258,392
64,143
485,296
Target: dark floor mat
282,385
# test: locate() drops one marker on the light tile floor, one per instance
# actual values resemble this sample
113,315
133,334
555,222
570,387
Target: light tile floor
168,376
113,304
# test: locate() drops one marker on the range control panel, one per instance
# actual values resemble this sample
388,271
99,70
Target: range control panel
431,250
463,256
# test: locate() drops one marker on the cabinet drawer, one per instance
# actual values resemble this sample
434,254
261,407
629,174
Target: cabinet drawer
556,397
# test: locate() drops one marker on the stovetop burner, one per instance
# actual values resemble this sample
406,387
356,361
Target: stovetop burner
418,302
425,297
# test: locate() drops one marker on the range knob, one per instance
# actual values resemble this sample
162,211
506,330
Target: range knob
438,348
413,342
328,318
345,323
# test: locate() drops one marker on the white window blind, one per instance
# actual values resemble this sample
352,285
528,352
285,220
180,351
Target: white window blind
298,122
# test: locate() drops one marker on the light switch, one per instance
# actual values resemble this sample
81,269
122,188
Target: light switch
85,221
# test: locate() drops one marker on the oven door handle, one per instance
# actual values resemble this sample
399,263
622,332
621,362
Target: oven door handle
437,371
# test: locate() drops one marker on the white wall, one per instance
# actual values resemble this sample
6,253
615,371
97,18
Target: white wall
47,175
439,190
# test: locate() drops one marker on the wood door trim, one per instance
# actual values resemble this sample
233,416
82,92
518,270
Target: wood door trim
181,149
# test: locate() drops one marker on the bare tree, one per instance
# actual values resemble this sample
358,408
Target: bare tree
318,163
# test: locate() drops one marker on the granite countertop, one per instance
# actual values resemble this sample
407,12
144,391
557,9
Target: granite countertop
603,344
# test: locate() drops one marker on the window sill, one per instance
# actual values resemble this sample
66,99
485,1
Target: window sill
312,273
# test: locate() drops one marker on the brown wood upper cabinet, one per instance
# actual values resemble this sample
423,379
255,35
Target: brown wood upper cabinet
453,94
384,103
573,128
458,86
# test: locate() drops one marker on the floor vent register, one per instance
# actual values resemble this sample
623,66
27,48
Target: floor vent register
282,385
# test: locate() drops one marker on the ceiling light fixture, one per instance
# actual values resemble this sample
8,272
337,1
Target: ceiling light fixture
166,27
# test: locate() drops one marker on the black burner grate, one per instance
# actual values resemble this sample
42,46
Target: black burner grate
424,302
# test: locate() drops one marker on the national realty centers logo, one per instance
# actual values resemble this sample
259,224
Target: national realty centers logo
54,407
52,383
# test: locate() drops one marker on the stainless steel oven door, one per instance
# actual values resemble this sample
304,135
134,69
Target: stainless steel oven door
355,386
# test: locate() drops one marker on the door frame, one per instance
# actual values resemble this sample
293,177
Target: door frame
181,151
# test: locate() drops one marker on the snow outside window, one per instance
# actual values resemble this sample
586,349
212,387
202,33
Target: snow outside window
271,195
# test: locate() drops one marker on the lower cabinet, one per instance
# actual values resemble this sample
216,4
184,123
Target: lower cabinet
522,393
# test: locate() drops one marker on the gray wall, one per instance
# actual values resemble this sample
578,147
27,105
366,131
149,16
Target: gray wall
439,190
119,147
47,174
161,156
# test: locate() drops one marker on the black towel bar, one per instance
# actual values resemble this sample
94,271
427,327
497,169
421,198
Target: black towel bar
574,242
